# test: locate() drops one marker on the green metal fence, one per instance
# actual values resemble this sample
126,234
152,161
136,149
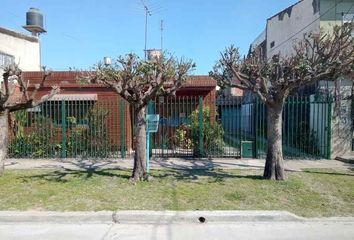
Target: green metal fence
179,132
190,126
306,126
69,129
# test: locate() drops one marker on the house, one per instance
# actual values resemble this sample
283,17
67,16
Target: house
286,28
19,48
92,120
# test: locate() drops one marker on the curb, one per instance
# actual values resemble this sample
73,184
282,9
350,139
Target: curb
167,217
160,217
56,217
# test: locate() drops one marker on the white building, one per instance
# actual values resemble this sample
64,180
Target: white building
19,48
287,27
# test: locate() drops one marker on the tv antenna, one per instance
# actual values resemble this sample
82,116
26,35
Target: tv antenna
147,14
161,28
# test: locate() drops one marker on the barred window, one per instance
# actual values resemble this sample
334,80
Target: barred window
6,59
349,19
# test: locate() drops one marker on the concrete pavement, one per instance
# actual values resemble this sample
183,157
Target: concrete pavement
171,163
136,225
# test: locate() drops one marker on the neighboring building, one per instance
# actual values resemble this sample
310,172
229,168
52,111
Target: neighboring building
19,48
289,26
286,28
236,92
259,46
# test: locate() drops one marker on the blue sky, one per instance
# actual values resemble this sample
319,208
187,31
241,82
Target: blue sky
82,32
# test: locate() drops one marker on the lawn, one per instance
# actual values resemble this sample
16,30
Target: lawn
312,193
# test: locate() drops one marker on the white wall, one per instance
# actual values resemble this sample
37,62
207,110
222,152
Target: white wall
289,26
25,49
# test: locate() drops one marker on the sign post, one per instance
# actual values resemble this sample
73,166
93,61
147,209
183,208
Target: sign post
152,121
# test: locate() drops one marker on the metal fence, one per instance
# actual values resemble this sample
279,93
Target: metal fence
189,127
68,129
306,128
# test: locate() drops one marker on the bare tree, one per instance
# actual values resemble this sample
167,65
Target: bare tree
11,100
138,82
316,57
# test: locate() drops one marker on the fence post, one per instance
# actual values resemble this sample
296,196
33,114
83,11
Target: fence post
150,110
255,125
63,129
201,128
329,128
122,127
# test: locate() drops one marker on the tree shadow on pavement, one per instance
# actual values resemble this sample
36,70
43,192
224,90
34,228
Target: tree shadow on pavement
191,163
217,175
193,170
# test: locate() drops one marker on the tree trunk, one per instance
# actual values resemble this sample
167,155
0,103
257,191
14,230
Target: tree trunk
139,171
274,166
4,130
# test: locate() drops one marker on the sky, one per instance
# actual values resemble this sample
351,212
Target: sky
80,33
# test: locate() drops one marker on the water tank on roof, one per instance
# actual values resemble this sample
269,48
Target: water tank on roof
34,21
153,54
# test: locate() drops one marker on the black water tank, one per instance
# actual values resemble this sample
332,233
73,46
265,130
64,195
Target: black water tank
34,17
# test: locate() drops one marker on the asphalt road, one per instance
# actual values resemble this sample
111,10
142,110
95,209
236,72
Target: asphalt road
185,231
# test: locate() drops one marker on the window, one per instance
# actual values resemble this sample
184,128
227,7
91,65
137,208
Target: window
75,111
272,44
349,19
6,59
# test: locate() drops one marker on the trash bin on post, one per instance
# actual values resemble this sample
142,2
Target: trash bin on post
152,121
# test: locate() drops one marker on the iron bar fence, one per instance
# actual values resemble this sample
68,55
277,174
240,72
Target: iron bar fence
190,126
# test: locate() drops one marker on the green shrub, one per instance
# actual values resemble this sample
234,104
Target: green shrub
182,137
212,131
34,143
187,136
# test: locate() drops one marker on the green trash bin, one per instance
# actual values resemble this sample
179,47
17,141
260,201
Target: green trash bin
247,149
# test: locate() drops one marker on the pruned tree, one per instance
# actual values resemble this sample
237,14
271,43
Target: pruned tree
17,94
138,82
317,57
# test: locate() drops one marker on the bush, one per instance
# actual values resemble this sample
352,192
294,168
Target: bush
182,137
34,143
91,139
187,136
212,131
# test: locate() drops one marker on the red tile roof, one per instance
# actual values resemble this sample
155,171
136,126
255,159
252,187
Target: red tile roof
69,79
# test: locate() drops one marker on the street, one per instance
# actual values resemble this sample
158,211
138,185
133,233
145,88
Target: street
184,231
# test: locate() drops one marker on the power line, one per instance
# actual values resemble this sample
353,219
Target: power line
282,43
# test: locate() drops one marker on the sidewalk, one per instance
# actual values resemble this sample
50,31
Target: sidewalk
172,163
